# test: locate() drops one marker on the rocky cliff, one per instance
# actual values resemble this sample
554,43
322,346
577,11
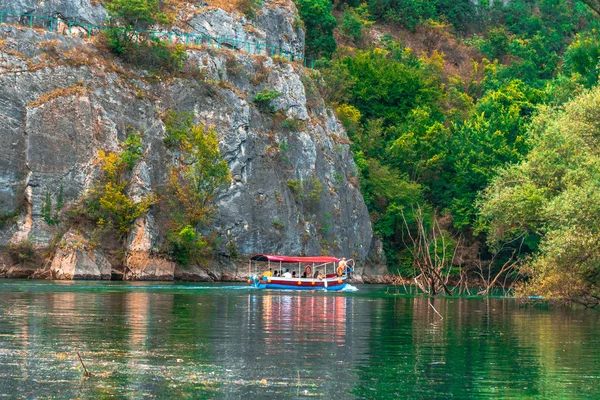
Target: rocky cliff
64,98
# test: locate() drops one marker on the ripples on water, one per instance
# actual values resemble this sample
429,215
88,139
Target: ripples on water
224,341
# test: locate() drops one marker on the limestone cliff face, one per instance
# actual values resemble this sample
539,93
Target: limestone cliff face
62,99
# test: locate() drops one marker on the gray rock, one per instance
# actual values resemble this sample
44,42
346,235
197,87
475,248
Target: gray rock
75,259
74,10
274,26
192,273
143,267
295,189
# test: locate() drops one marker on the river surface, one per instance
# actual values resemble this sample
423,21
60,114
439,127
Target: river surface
144,340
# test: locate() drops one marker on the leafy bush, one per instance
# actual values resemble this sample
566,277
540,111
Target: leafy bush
263,99
9,217
107,204
583,57
354,21
292,124
177,126
295,186
277,224
48,215
128,18
194,182
187,245
21,252
249,7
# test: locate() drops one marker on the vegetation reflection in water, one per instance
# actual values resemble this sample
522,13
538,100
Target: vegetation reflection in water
224,341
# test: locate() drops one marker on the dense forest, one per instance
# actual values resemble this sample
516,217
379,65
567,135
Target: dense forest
475,130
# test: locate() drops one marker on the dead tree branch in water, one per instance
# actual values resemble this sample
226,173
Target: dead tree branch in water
491,279
86,373
429,248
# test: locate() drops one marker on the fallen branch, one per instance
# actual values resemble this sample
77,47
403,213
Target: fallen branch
86,373
436,311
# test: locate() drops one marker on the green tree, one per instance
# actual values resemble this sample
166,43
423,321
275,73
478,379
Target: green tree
319,24
194,182
551,198
494,136
107,203
583,57
128,37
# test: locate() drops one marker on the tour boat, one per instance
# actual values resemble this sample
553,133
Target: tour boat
298,273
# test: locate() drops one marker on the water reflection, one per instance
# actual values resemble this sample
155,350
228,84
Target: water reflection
286,319
176,341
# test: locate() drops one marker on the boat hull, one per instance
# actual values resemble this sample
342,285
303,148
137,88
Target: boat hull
334,284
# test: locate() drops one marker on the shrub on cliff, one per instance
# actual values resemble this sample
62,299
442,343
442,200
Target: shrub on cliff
195,179
21,252
263,100
107,204
130,17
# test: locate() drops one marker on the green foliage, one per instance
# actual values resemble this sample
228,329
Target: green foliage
411,13
495,135
292,124
309,191
177,126
21,252
138,14
186,244
387,84
107,204
194,182
438,139
277,224
263,99
583,57
130,17
354,21
551,198
325,224
313,190
295,186
9,217
249,7
319,24
48,215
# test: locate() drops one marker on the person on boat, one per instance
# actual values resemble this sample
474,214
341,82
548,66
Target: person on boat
268,273
287,274
276,273
293,274
341,266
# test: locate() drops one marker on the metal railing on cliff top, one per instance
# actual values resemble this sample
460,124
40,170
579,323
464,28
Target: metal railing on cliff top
72,28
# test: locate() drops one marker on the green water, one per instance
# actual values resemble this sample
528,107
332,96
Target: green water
146,340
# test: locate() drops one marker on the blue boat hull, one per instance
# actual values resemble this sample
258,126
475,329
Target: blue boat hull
291,287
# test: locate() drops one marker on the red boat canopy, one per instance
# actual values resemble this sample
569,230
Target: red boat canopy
286,259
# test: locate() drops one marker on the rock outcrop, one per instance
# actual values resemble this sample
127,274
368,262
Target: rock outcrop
84,11
76,259
294,188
